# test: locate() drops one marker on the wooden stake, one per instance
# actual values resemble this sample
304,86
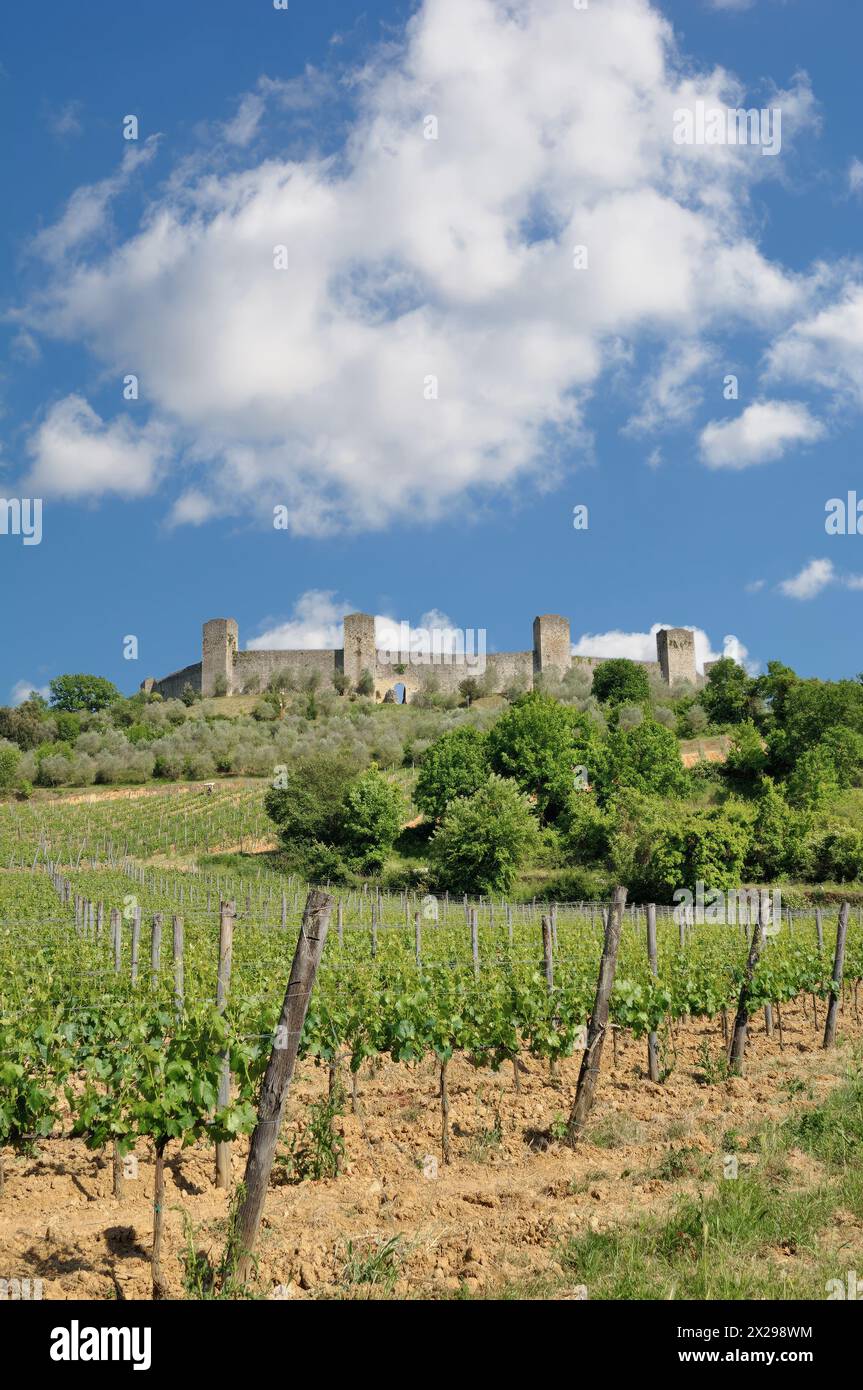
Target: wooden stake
590,1062
277,1079
836,987
652,1039
737,1050
226,949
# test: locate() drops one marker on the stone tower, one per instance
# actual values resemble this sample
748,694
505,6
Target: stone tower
552,649
221,643
360,653
675,648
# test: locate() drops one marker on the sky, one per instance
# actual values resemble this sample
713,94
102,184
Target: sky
337,307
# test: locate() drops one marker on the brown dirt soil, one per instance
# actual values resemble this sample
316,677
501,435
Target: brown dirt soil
497,1214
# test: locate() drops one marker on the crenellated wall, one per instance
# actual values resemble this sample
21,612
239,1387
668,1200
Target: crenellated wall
223,664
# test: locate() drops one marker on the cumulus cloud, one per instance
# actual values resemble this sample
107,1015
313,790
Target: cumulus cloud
85,217
641,646
764,431
316,623
75,453
431,338
826,348
22,690
810,581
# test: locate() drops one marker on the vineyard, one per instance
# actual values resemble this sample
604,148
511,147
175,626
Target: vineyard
139,1004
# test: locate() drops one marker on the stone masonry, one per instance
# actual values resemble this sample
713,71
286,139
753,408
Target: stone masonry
224,666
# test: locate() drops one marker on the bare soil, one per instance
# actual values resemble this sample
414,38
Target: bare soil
497,1214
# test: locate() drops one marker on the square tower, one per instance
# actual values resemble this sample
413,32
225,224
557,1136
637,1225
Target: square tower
220,646
359,653
675,649
552,649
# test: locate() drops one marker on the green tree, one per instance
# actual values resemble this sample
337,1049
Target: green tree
534,742
372,815
80,692
456,764
306,802
619,682
366,684
10,756
747,759
728,694
484,839
813,781
777,845
646,758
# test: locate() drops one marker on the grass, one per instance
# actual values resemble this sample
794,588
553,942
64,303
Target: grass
766,1234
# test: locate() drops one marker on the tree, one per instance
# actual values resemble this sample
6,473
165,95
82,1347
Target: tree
27,730
619,681
646,758
308,806
469,690
72,693
371,817
484,839
10,756
366,684
534,743
778,835
813,781
456,764
747,760
729,692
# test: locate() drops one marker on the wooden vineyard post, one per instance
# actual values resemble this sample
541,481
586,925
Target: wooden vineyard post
179,987
277,1079
819,930
340,923
838,967
226,947
136,941
474,940
652,1040
116,938
548,954
737,1050
155,950
418,939
284,910
590,1062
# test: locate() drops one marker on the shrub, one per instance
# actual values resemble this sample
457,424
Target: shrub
10,757
728,694
647,759
484,839
366,684
456,764
371,817
620,681
309,806
837,855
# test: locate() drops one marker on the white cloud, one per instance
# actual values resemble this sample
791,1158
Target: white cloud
756,586
810,581
672,396
77,454
641,646
66,121
826,349
22,690
85,217
731,4
412,258
855,177
762,432
316,623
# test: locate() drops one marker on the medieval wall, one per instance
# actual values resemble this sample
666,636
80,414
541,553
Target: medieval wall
222,660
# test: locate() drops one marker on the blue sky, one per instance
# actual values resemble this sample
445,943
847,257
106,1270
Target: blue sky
411,258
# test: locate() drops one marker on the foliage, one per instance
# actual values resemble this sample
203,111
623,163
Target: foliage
484,839
619,681
456,764
370,818
82,692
